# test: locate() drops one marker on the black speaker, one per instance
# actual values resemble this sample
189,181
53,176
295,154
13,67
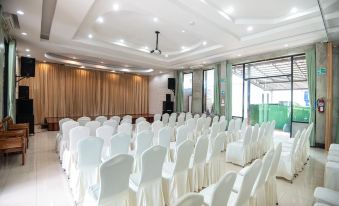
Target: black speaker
26,118
24,106
167,107
27,67
171,84
23,92
168,97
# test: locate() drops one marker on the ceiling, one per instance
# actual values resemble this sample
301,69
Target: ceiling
106,34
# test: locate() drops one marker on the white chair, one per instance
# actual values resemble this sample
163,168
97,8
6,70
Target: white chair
83,120
254,143
156,126
222,118
165,141
190,199
157,117
144,140
140,127
197,164
199,127
126,119
174,115
112,188
175,174
59,134
125,128
204,115
248,178
113,123
101,119
181,136
196,116
271,183
116,118
222,125
213,134
181,120
93,126
191,124
165,118
86,170
238,124
119,144
206,125
219,193
213,167
64,142
172,121
146,185
188,116
326,196
260,140
230,132
105,133
237,152
70,155
215,119
139,120
331,175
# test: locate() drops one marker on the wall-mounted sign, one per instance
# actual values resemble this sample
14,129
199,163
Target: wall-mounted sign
321,71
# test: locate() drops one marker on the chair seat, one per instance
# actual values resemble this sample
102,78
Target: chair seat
207,193
332,158
325,195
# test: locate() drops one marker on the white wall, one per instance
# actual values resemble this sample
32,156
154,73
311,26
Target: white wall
158,90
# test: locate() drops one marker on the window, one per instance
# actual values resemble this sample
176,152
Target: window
208,99
188,77
237,90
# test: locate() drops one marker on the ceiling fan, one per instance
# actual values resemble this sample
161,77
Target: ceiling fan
156,50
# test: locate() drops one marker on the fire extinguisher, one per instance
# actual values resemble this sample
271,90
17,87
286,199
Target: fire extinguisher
321,105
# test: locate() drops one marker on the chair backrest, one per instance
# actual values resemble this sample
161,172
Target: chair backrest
182,134
200,150
218,145
116,118
101,119
247,136
204,115
174,115
188,116
262,131
295,141
114,177
244,124
222,118
190,199
127,117
200,124
144,140
248,180
119,144
231,125
265,167
83,120
105,132
157,117
184,153
143,126
139,120
237,125
66,127
152,161
255,133
171,121
113,123
125,128
93,126
156,126
164,137
214,130
191,124
215,119
275,161
61,121
223,189
196,116
181,120
126,120
89,152
75,135
165,118
207,122
222,125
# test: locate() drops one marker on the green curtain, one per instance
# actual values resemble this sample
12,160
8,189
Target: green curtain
217,89
311,74
11,78
179,92
228,92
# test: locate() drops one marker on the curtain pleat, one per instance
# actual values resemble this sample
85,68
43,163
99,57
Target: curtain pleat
60,91
179,91
228,92
217,89
311,72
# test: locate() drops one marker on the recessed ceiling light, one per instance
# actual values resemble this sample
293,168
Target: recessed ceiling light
166,55
121,41
20,12
44,61
239,55
192,23
204,62
101,62
204,43
23,33
100,20
27,50
28,55
116,7
183,47
82,67
126,65
74,58
155,19
90,36
293,10
183,31
113,71
250,28
229,10
146,47
285,45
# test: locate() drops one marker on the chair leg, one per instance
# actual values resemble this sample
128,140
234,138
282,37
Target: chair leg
23,158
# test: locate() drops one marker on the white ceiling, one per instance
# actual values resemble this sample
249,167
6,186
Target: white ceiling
214,30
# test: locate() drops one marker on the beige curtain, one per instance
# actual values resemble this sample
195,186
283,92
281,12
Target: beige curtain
60,91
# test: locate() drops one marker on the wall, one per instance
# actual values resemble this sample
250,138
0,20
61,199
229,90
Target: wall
158,90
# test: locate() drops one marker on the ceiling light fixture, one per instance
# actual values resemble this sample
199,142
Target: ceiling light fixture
44,61
82,67
100,20
74,58
20,12
250,28
204,43
293,10
90,36
183,31
183,48
156,50
27,50
24,33
239,55
166,55
116,7
28,55
121,41
286,45
229,10
155,19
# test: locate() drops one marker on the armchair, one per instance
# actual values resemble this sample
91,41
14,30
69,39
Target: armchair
13,141
11,126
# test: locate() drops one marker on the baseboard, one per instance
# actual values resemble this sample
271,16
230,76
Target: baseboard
320,145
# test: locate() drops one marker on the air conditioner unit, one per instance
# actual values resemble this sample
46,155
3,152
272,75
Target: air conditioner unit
10,21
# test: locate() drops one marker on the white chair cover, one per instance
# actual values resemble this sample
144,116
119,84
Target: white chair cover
222,118
156,126
219,193
190,199
215,119
213,134
112,189
101,119
83,120
175,174
222,125
326,196
171,121
331,175
203,115
188,116
64,143
199,127
126,119
165,118
196,116
144,140
254,143
197,165
230,132
165,141
191,124
157,117
237,152
181,136
116,118
139,120
207,124
93,126
119,144
146,185
86,170
213,168
113,123
105,132
181,120
59,134
125,128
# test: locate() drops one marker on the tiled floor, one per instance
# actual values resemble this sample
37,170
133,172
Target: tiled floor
42,182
